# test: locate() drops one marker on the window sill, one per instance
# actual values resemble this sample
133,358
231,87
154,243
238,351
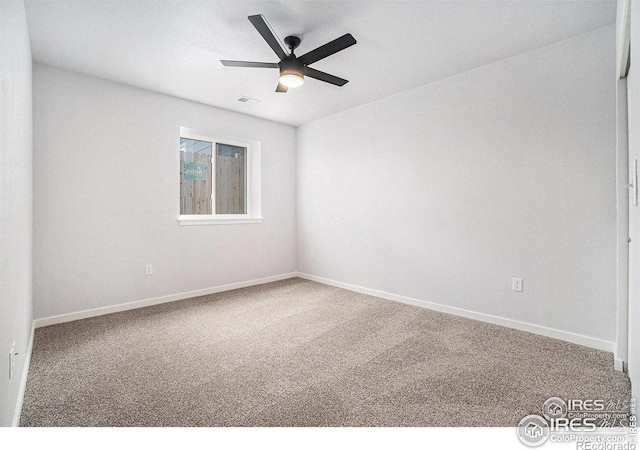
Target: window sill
208,220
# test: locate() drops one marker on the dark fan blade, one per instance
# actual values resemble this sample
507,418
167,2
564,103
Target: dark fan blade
249,64
263,28
328,49
322,76
281,88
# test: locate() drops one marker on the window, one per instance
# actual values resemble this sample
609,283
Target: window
219,179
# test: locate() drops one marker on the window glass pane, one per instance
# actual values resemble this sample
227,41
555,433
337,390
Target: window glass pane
195,177
231,168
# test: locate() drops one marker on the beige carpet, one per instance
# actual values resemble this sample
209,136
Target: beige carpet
299,353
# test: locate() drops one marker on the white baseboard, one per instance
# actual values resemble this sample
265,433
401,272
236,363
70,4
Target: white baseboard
509,323
23,381
155,301
618,364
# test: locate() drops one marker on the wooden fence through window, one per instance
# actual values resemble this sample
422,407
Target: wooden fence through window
195,195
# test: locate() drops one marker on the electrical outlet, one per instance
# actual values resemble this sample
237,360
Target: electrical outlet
516,285
148,269
12,359
313,254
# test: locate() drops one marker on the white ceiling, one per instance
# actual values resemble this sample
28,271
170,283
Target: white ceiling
174,47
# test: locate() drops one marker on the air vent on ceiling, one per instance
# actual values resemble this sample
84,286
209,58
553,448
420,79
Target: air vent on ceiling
245,99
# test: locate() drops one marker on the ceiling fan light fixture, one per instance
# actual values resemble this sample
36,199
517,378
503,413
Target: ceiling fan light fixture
292,79
291,72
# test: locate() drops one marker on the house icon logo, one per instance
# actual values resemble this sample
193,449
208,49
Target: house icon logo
533,430
554,408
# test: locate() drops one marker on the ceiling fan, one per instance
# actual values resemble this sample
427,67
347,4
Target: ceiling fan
294,68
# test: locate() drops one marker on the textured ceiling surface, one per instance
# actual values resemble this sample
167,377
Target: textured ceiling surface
175,47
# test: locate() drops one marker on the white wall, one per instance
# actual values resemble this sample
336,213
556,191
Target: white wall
445,192
16,198
107,190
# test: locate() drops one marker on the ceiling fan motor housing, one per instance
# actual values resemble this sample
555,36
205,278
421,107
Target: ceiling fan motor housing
291,66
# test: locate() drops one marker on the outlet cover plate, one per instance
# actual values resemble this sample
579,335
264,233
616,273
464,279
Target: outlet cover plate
517,285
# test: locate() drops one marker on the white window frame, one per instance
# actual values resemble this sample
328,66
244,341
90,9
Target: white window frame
252,180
